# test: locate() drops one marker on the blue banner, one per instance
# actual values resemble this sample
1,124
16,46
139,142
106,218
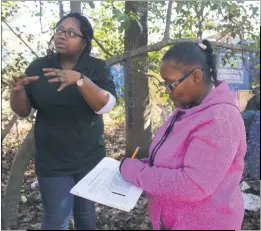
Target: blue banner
235,72
238,77
117,72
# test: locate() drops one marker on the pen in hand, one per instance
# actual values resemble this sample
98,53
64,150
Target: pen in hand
135,153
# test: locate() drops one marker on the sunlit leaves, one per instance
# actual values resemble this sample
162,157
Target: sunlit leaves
8,9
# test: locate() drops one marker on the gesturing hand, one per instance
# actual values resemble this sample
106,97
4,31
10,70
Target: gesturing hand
65,77
19,82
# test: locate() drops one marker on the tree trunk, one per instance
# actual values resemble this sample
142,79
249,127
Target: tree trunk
75,6
61,11
15,181
8,127
138,124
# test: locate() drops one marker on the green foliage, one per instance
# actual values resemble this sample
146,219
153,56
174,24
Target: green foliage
227,18
118,112
9,9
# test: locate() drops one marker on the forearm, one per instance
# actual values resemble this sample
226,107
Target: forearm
208,158
20,103
175,184
96,97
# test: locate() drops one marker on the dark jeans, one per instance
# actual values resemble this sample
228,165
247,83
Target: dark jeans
59,204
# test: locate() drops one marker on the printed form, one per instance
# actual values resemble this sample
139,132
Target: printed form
105,185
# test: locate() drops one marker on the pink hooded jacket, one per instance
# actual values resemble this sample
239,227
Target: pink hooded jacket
194,183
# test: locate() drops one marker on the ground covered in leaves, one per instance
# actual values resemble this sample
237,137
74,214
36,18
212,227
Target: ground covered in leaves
31,210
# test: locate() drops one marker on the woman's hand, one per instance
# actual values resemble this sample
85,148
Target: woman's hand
65,77
19,82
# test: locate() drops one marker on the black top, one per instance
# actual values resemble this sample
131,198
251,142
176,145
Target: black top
253,104
69,135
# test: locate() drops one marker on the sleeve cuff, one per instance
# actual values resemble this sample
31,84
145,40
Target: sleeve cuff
108,107
130,170
31,114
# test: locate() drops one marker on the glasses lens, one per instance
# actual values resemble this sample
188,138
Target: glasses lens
171,88
162,85
58,31
71,34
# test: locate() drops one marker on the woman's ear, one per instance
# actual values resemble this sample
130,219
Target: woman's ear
197,76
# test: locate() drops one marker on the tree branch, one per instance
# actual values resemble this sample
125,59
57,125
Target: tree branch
8,127
41,16
75,6
13,189
83,6
102,47
201,20
61,11
4,61
158,46
243,57
19,37
168,21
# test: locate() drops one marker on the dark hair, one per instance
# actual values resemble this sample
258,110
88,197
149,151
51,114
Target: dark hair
86,29
190,53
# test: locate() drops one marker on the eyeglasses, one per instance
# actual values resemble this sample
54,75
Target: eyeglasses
172,86
68,33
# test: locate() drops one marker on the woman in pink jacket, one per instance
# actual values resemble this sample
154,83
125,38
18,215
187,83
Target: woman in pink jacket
197,157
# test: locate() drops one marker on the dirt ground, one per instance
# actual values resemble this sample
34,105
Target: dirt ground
31,210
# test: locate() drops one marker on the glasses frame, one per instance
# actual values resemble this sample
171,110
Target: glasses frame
174,85
66,31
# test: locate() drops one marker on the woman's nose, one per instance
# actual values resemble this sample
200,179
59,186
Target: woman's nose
61,36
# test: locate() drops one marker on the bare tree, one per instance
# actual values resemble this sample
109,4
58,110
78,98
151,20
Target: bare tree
75,6
138,125
61,10
15,181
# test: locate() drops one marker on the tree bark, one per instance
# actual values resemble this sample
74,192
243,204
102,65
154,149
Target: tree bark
15,181
8,127
168,20
61,11
200,17
138,125
75,6
159,45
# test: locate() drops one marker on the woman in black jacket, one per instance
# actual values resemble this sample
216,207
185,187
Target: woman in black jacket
70,91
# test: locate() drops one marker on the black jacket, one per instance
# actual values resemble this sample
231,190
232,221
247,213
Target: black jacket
69,135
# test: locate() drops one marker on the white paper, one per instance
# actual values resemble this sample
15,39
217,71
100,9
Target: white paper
105,185
251,202
244,186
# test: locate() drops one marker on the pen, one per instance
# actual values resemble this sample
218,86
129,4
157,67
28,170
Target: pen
135,153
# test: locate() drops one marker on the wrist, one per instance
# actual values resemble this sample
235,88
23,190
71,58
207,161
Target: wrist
22,90
77,76
80,81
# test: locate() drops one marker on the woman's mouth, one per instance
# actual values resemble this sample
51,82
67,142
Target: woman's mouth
60,45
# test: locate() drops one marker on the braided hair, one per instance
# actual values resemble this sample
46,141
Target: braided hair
190,53
86,30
